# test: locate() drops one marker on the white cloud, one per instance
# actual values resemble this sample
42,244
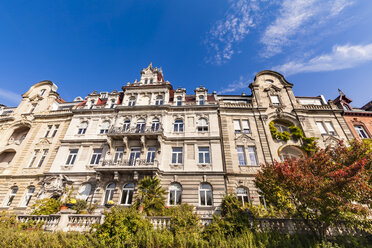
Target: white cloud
10,96
232,29
341,57
298,17
242,83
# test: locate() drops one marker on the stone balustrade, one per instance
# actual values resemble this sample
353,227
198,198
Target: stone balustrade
160,222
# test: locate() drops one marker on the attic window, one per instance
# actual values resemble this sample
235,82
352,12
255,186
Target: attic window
269,81
42,92
145,81
151,81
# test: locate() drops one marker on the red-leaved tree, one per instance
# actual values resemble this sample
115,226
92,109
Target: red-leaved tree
328,186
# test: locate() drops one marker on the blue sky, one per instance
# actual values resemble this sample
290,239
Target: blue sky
82,46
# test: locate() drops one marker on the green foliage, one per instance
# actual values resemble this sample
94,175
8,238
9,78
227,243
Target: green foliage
308,143
120,227
326,187
151,196
46,206
79,206
183,219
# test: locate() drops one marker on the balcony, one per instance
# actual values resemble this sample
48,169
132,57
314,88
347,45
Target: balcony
121,131
128,165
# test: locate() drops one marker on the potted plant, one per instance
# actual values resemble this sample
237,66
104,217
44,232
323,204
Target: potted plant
109,203
70,202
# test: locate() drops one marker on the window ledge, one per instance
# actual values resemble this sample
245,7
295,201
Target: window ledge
66,167
205,207
20,208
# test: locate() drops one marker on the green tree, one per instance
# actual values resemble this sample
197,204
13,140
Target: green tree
151,196
46,206
328,186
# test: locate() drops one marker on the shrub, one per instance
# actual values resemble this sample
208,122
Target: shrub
79,206
46,206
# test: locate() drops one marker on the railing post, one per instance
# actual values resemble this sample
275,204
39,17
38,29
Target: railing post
63,222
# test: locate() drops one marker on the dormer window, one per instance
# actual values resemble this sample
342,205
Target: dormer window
104,95
42,92
151,81
112,103
33,107
91,104
132,101
201,100
269,81
179,101
275,100
145,81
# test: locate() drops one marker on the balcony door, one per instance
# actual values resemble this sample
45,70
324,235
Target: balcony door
135,153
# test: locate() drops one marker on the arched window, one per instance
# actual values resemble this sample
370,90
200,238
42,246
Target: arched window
12,194
202,125
140,127
7,156
243,195
105,127
175,194
28,195
109,194
179,101
132,101
206,194
83,127
126,125
84,191
290,152
159,100
155,124
18,135
178,125
127,196
201,100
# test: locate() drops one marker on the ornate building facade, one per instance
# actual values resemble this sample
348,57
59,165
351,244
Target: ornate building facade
201,146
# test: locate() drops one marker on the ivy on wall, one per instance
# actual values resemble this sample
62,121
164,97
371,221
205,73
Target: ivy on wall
308,143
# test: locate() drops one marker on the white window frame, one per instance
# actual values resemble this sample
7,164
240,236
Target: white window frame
151,154
109,192
96,156
361,132
105,127
126,125
203,125
28,195
42,158
55,130
179,101
34,156
159,100
132,101
140,125
246,127
205,192
83,127
241,153
201,100
155,124
118,155
175,193
178,126
177,154
129,189
49,128
242,195
204,155
237,126
135,153
275,100
252,155
72,156
11,196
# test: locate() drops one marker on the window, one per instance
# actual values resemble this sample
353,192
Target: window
146,81
126,125
159,100
42,92
179,101
346,107
204,156
242,194
33,106
262,199
202,125
112,103
32,161
151,81
132,101
84,191
72,156
83,127
291,152
281,127
97,153
105,127
361,132
175,194
326,127
109,194
241,155
177,155
12,194
150,155
237,126
135,153
41,161
48,130
55,130
206,194
118,154
140,128
178,125
127,196
321,127
330,128
155,124
91,104
252,155
201,100
275,100
245,125
28,195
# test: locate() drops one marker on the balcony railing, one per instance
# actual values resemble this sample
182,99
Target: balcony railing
130,163
135,130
